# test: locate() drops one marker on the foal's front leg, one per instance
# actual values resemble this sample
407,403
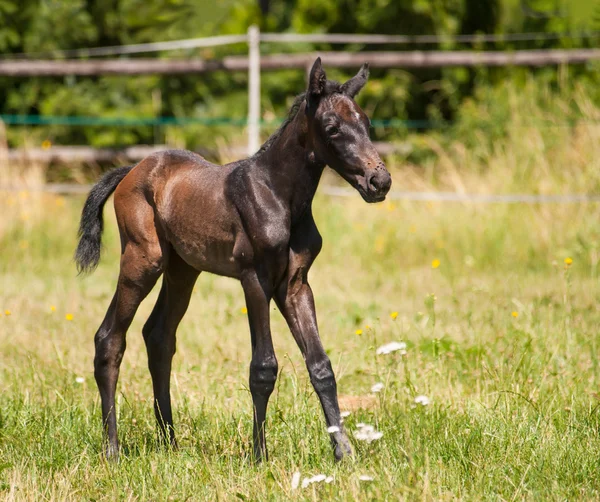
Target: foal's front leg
263,368
295,300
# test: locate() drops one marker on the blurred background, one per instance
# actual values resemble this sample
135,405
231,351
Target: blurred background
425,113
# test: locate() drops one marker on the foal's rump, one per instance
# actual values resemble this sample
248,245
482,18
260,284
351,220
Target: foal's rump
141,179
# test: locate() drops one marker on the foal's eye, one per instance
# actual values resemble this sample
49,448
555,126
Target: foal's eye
332,130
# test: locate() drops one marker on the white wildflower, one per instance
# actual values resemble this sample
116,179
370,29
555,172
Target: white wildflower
315,479
345,414
378,387
332,429
367,433
388,348
295,480
364,477
422,400
80,379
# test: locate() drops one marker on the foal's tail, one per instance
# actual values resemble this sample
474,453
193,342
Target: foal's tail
87,254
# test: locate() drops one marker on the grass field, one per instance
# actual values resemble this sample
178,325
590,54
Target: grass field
502,337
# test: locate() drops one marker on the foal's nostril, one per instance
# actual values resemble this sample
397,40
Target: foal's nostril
379,180
376,182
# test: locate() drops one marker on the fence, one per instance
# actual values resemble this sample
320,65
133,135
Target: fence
254,62
90,155
334,191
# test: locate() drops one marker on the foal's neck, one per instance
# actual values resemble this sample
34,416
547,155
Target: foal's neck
291,167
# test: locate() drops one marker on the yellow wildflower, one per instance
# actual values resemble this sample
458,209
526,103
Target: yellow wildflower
46,144
514,314
359,332
52,308
393,315
435,263
7,312
69,317
430,300
568,261
244,310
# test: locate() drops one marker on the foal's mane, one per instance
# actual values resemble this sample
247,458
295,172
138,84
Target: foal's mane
331,87
298,100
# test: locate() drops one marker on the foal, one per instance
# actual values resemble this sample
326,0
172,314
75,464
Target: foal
180,215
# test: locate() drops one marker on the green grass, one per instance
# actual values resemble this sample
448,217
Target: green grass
514,400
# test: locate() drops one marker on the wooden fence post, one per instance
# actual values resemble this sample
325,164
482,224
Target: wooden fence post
253,89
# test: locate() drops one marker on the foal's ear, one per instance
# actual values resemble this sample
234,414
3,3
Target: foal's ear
356,83
316,85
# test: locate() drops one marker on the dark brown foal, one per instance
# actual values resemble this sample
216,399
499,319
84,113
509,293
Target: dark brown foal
179,215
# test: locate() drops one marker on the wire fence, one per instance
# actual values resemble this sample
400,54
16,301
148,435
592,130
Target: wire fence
80,120
335,191
308,38
475,198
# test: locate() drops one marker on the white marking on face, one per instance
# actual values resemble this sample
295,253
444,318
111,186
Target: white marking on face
357,115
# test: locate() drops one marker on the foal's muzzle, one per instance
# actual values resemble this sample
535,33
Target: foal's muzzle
378,182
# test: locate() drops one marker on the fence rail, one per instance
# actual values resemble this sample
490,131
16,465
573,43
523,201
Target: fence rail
399,59
90,155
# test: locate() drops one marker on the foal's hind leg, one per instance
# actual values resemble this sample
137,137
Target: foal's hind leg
159,335
140,268
263,367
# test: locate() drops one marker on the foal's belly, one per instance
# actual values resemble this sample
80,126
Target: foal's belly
207,253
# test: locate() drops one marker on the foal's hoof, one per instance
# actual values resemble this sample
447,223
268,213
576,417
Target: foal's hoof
342,449
260,455
168,444
112,453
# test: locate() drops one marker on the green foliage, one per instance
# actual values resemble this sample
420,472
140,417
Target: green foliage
42,26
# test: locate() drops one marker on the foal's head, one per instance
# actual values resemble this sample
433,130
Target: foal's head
338,132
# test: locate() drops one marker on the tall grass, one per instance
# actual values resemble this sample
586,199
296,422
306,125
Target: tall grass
500,334
517,137
21,172
514,407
